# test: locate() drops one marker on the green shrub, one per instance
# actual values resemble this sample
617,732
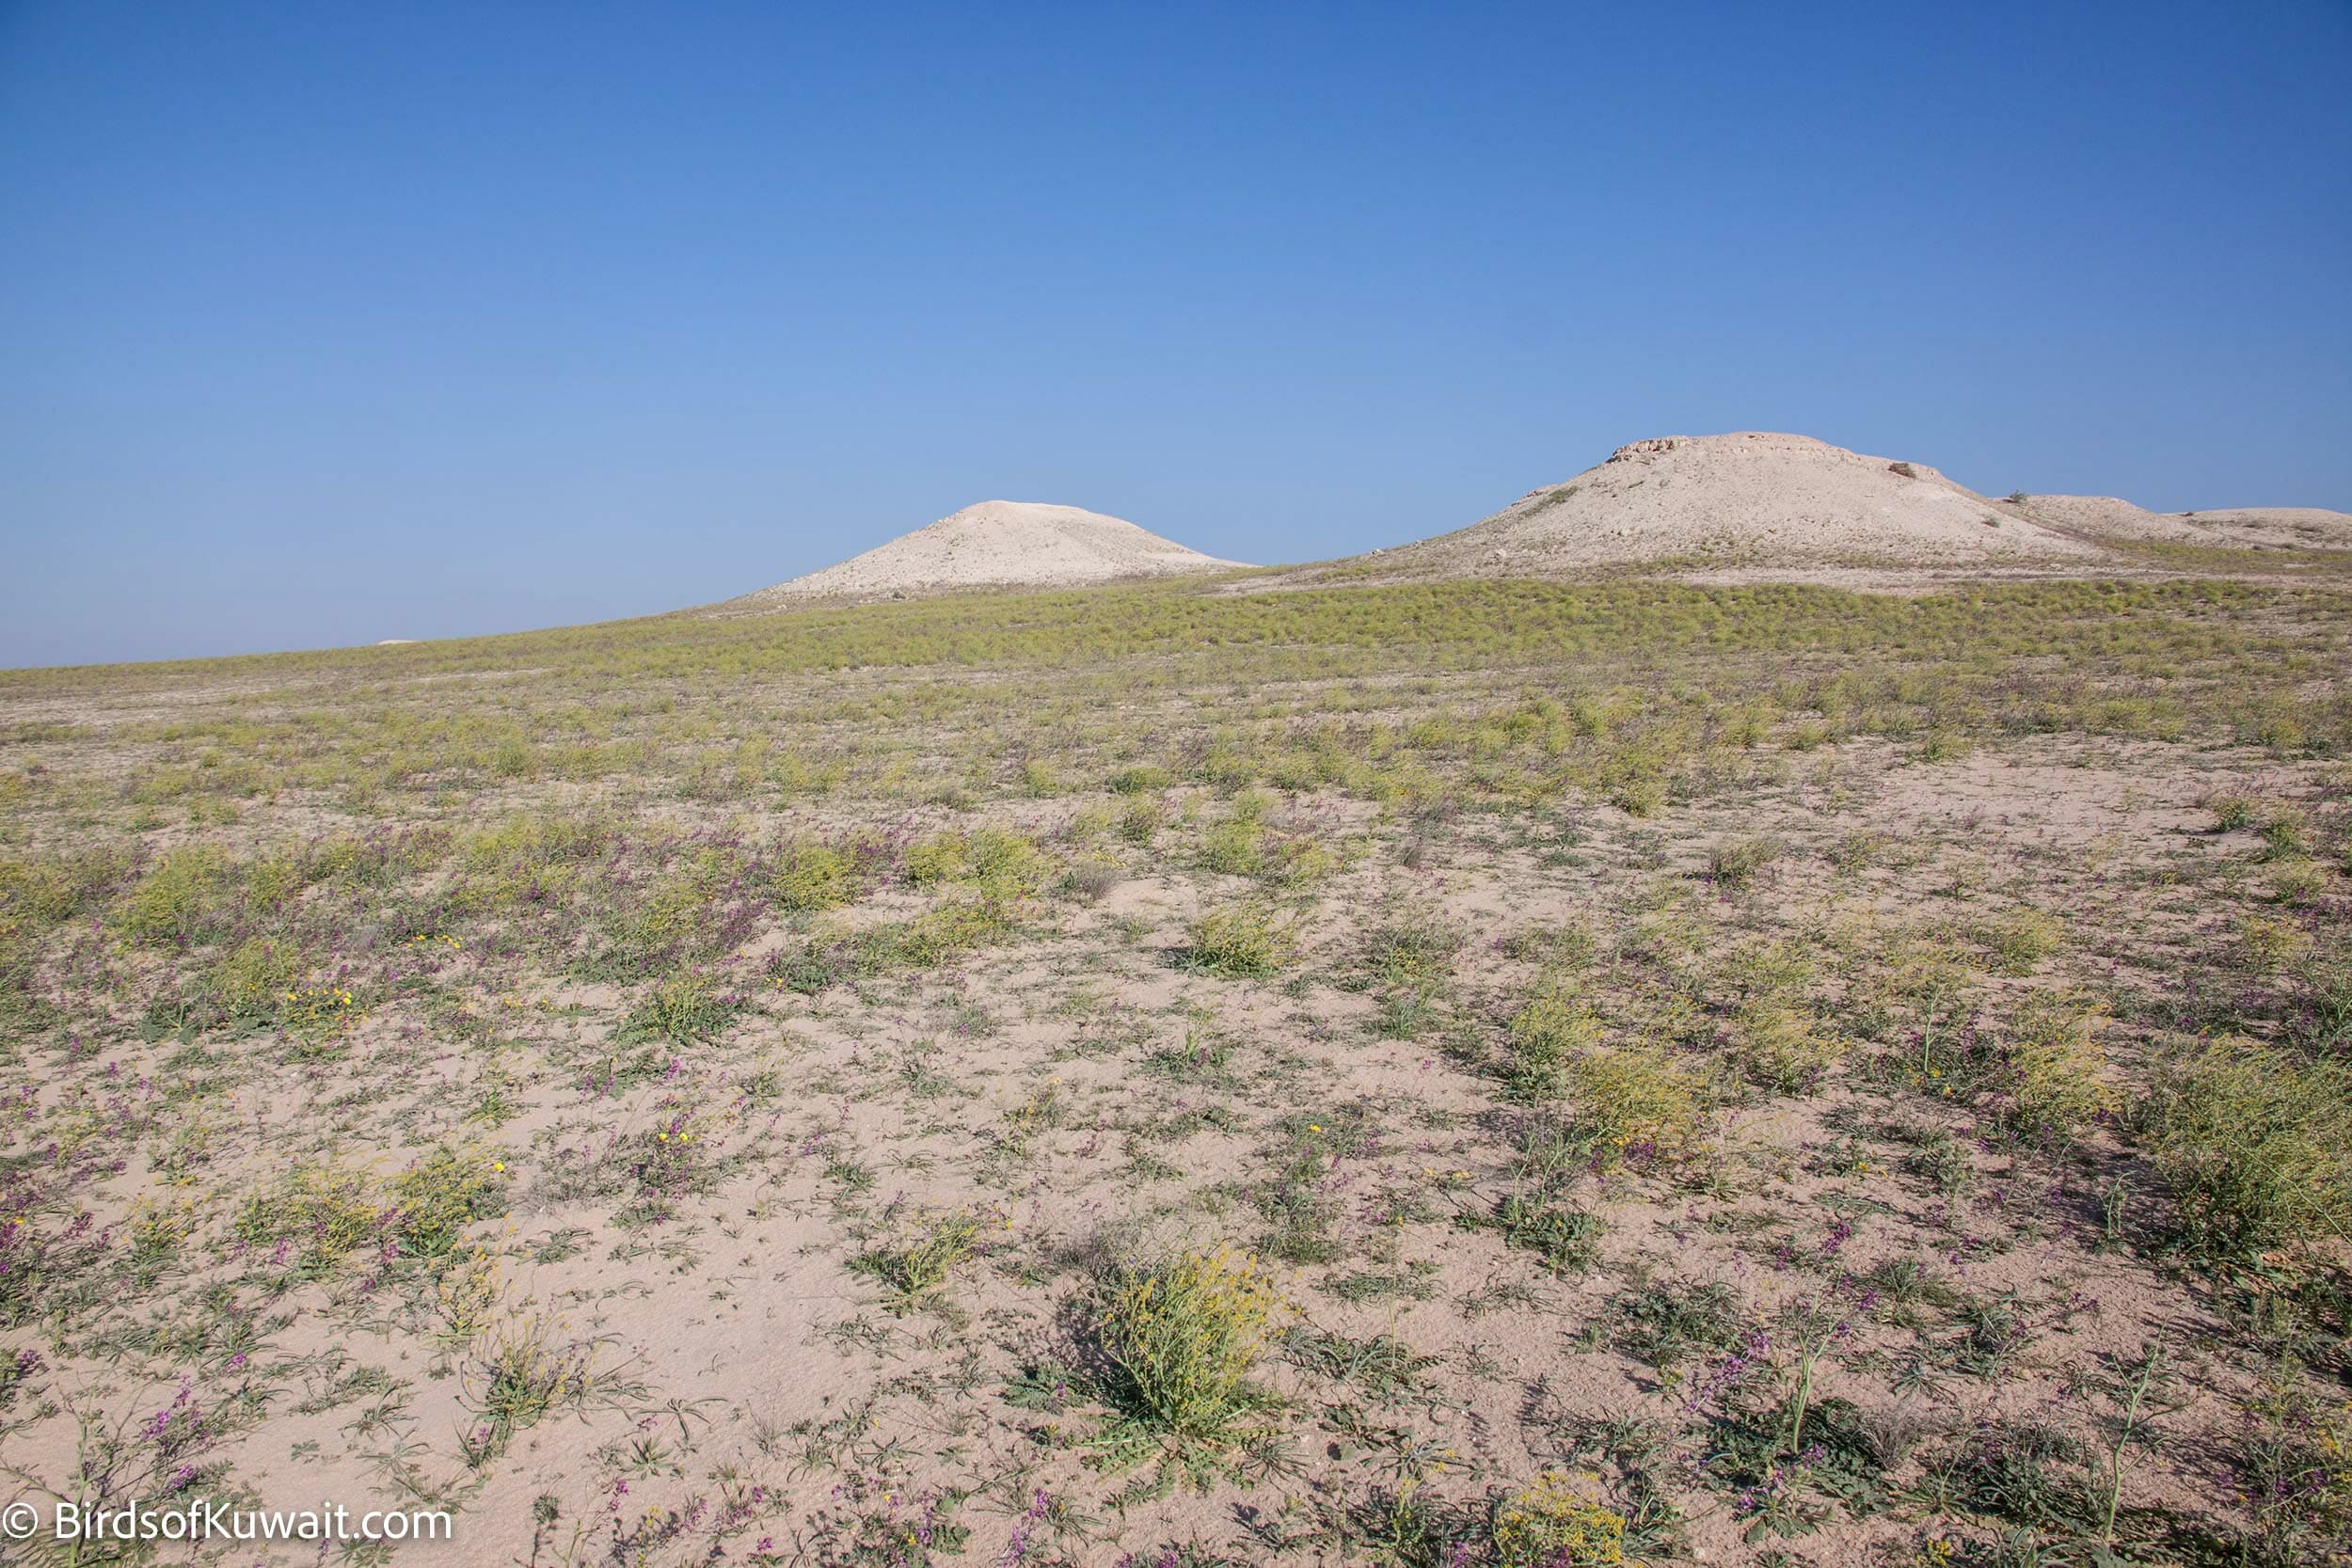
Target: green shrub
916,1268
530,859
932,861
1784,1047
176,900
273,883
2267,944
1039,781
1294,860
1736,861
812,877
2021,940
434,1200
1545,1036
1639,795
1004,865
1552,1524
256,981
1632,1098
2301,884
1185,1335
1669,1323
931,938
1240,942
1415,954
2058,1072
35,894
682,1009
1141,779
327,1209
1232,848
1141,821
2286,834
514,759
1564,1236
2256,1147
2231,813
521,1374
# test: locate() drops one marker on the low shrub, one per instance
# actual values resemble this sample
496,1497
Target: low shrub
1141,779
434,1200
2058,1072
2020,941
1550,1523
2230,812
1240,942
1185,1336
256,980
1141,821
1089,881
682,1009
2256,1147
812,877
945,931
1783,1046
1735,863
1039,781
1670,1323
1544,1037
914,1269
1232,848
1415,954
932,861
2286,834
322,1211
1004,865
1633,1098
1564,1236
177,901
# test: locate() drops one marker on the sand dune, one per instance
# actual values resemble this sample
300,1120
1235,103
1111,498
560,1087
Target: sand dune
996,544
1752,497
1756,505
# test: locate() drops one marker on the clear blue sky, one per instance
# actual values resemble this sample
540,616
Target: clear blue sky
324,323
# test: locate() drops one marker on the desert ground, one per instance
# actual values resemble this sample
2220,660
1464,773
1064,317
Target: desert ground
1497,1071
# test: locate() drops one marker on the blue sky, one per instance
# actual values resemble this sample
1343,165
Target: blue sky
321,324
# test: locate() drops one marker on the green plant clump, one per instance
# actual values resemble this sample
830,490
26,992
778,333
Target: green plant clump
2256,1147
1240,942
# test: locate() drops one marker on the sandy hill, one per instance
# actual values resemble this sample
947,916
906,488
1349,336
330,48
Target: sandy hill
996,545
1756,505
1746,499
2284,528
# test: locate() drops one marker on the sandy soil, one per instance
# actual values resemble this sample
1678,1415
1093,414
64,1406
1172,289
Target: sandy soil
2244,528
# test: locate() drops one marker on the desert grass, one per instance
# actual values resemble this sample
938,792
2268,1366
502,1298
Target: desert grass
1462,1074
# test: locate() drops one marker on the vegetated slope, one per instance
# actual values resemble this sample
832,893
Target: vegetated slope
1752,499
1000,544
1470,952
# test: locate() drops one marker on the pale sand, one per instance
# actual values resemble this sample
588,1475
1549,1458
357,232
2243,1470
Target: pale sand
996,545
1754,506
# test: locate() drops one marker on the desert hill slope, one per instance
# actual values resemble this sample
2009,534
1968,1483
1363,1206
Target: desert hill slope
1748,499
2243,527
996,545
